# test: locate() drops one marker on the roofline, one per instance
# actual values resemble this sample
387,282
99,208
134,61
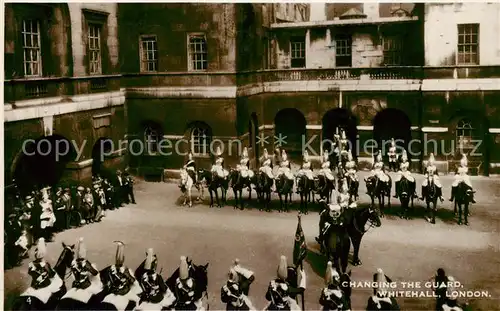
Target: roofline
341,22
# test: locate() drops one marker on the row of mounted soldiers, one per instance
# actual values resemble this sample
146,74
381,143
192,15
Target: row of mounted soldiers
118,287
44,212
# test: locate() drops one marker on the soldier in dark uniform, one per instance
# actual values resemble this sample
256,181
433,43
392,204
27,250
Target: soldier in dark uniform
235,292
332,297
121,280
279,291
185,288
82,268
380,299
42,274
109,190
129,187
119,189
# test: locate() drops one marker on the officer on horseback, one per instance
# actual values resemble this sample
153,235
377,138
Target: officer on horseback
278,292
380,299
404,158
431,172
392,155
190,167
285,167
154,289
330,216
305,170
232,293
403,171
326,167
343,197
218,166
244,165
461,176
265,164
185,288
332,297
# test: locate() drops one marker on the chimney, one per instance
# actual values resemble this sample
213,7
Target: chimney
371,10
318,11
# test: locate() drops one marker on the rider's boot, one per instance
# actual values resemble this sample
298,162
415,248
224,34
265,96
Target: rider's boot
424,193
453,191
440,193
472,196
397,191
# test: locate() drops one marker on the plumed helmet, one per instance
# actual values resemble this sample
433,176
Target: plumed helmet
380,278
233,276
463,161
183,269
265,152
28,198
244,154
342,134
393,142
306,156
283,269
331,275
120,253
81,250
151,261
218,151
404,153
190,155
284,157
242,271
431,159
41,249
405,165
349,155
379,157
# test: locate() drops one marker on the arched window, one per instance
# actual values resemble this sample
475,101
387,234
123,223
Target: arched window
151,139
200,140
464,133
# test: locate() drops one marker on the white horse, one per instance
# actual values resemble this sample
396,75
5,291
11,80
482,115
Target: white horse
186,186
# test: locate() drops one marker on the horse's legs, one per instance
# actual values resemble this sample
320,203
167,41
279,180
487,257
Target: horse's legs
459,213
235,198
466,213
356,243
434,207
241,200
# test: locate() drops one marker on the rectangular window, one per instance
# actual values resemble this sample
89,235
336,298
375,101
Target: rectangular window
149,54
468,44
31,48
298,52
95,61
392,47
197,52
343,47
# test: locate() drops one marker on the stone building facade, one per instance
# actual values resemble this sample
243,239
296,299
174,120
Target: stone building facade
196,74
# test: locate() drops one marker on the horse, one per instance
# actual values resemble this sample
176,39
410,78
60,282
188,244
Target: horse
336,245
463,198
238,183
101,302
32,302
284,187
305,187
405,193
200,276
263,188
378,189
358,221
186,186
431,197
213,182
324,187
84,300
353,186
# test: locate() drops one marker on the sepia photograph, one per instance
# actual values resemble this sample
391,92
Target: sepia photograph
243,156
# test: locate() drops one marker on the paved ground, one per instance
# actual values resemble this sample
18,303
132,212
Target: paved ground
406,250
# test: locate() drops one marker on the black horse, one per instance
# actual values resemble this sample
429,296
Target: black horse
263,188
379,189
463,198
324,187
284,186
213,182
304,188
336,245
405,191
238,183
33,303
431,195
200,276
358,221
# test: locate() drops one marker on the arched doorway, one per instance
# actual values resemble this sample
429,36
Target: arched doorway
42,162
102,147
392,123
291,125
333,121
253,133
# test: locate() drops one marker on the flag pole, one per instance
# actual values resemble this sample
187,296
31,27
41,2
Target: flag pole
301,265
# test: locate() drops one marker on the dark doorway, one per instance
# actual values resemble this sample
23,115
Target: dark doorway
392,123
102,147
291,125
42,162
253,133
333,121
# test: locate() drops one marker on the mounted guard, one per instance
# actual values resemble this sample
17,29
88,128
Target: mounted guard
185,289
378,170
344,144
450,303
462,176
278,292
244,165
380,299
155,293
432,173
403,171
332,297
351,166
44,280
218,166
305,170
285,167
265,162
326,167
403,158
330,216
233,295
343,197
190,168
392,156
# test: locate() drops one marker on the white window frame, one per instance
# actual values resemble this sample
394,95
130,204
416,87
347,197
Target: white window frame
297,51
343,47
153,141
200,141
468,45
145,63
191,54
464,126
31,50
392,47
95,65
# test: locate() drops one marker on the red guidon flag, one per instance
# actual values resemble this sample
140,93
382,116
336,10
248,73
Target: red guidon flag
300,247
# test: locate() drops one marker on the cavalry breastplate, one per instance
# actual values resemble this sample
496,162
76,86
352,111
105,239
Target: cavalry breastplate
151,287
244,162
306,165
285,164
266,162
325,164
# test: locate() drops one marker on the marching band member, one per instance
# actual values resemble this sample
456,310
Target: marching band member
392,154
332,297
155,293
265,162
325,167
244,166
343,197
330,216
461,176
305,169
185,288
285,167
87,282
431,172
218,166
190,167
45,282
278,293
380,300
232,294
403,171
